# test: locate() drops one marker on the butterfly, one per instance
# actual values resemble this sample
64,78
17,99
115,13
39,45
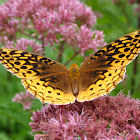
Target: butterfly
53,83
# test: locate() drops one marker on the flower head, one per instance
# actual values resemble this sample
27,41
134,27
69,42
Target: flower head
104,118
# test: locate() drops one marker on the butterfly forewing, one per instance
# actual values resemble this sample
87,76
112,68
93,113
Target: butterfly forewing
41,76
106,68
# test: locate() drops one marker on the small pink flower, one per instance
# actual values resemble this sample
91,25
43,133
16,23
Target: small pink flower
86,40
86,16
25,99
23,44
69,33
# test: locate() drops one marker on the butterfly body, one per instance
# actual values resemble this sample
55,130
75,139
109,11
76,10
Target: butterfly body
74,74
53,83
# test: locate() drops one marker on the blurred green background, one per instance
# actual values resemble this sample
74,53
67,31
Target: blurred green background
116,20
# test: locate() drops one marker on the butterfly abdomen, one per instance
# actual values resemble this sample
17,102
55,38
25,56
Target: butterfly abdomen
74,74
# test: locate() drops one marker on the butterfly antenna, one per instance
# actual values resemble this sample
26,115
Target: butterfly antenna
62,54
85,47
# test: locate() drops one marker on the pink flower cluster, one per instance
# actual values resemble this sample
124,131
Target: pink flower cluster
23,44
105,118
25,99
45,21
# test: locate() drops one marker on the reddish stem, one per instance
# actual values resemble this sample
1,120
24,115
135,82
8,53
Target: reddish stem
59,57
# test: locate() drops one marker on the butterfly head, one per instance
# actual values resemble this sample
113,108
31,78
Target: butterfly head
74,71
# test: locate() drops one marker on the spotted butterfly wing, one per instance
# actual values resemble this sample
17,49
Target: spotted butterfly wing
106,68
41,76
53,83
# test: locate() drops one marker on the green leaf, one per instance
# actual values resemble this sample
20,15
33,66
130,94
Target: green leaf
14,111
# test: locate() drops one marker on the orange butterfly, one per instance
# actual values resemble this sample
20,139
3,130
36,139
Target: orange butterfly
53,83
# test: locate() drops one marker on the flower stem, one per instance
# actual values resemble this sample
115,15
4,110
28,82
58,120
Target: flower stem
59,57
72,57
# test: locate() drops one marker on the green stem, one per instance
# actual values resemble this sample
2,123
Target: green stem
72,57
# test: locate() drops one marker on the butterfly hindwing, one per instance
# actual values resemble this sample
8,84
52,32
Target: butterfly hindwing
51,89
99,83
